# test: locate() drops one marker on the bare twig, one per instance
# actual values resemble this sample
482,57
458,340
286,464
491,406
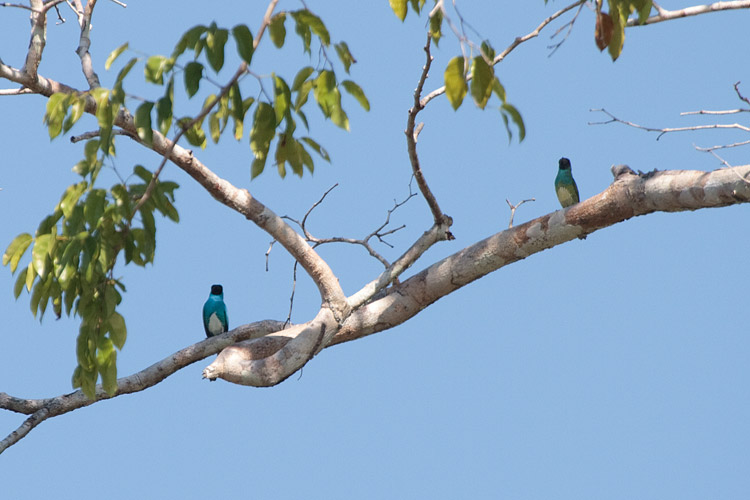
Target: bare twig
513,209
22,90
568,25
663,131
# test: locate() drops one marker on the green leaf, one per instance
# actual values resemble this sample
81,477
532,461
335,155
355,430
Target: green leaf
125,70
262,132
77,109
318,148
399,8
325,85
57,107
195,134
436,24
357,92
164,110
189,40
309,19
155,68
216,39
482,76
16,249
193,75
238,110
498,89
20,282
108,370
277,30
301,76
30,275
259,164
143,122
455,82
511,111
342,50
282,98
244,40
70,198
40,253
114,55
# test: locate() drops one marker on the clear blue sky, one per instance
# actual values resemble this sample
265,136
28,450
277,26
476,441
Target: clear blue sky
614,367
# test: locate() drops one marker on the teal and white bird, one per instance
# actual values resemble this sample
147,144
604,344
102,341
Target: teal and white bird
565,185
215,319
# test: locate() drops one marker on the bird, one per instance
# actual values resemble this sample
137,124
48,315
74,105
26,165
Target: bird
215,320
565,185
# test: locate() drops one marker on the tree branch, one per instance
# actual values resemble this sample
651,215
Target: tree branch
518,41
667,15
630,195
411,143
42,409
85,43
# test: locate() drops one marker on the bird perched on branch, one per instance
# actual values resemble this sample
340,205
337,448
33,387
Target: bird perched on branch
215,319
565,185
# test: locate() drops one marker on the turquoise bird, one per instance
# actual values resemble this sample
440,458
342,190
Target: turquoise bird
215,319
565,185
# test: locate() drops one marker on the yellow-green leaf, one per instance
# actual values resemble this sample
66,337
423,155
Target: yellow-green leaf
399,8
16,249
455,82
114,55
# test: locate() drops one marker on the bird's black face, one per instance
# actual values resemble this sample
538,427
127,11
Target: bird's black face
564,163
216,290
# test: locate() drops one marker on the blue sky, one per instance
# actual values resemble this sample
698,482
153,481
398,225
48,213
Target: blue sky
613,367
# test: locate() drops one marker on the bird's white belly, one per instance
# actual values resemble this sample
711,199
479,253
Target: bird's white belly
214,324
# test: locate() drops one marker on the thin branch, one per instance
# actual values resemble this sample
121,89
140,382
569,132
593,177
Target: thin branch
568,25
513,209
663,131
411,143
518,41
85,43
723,146
42,409
21,91
667,15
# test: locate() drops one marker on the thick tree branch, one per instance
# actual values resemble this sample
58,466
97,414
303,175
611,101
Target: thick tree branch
631,195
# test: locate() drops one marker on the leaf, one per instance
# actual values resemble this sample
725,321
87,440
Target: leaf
114,55
318,148
238,110
40,253
57,107
155,68
244,40
189,40
193,75
262,132
70,198
282,98
257,167
399,8
164,110
20,282
277,30
215,41
455,82
357,92
482,76
195,134
143,122
342,50
301,77
16,249
307,18
30,276
603,31
511,111
77,109
436,23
